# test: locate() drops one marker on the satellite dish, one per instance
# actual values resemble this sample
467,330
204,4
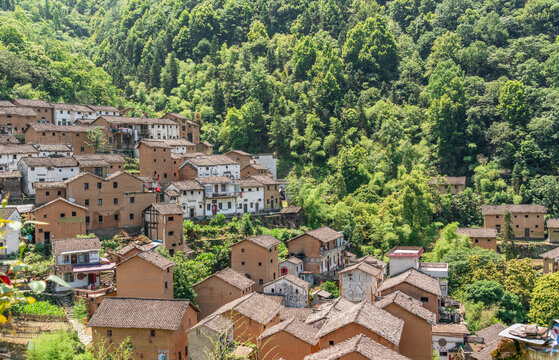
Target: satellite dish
161,357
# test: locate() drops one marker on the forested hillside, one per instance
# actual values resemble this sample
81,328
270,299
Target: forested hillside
362,101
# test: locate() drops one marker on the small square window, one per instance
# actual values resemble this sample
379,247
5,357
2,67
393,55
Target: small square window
132,200
242,262
115,185
99,202
109,333
116,217
86,186
115,201
424,299
62,215
73,213
86,202
98,185
100,218
131,216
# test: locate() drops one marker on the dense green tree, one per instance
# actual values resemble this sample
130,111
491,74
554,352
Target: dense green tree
506,236
520,278
544,305
512,103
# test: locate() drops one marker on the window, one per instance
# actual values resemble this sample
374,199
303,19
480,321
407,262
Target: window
115,185
62,215
242,250
48,193
271,261
526,216
73,213
171,233
100,218
259,264
82,149
116,217
171,218
229,205
98,185
443,353
86,202
59,193
424,299
69,277
99,202
115,201
260,282
152,333
131,216
166,285
132,200
86,186
242,262
109,333
331,343
87,219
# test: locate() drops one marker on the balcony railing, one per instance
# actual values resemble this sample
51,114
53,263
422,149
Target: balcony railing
324,250
222,194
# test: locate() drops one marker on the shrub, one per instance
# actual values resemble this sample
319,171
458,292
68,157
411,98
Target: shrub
80,309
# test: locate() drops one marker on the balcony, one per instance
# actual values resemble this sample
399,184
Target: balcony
325,250
215,195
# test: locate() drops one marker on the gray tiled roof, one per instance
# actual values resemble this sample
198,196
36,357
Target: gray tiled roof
266,241
324,234
292,279
415,278
154,258
294,327
60,246
50,161
513,208
359,344
379,321
254,306
329,309
168,208
60,128
17,149
232,277
187,185
478,232
33,103
451,180
409,304
364,267
135,313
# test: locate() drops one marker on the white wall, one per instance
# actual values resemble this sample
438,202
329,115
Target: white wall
253,197
189,199
68,117
357,286
233,171
451,342
9,163
163,131
12,238
267,160
399,265
41,174
293,295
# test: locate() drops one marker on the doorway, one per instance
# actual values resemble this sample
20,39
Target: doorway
245,208
91,279
191,212
527,233
47,237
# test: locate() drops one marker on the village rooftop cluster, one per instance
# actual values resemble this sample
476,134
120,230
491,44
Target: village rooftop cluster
395,310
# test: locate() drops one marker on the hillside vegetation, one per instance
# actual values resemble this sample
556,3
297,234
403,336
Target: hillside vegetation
362,101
